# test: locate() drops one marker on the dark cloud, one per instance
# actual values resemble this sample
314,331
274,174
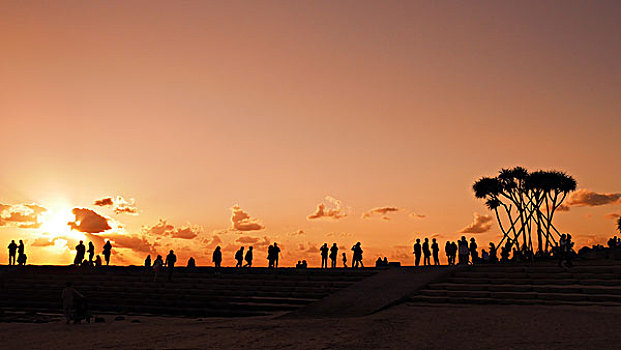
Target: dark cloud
21,215
88,221
584,197
213,242
242,221
247,240
613,215
119,204
163,228
323,212
481,223
139,244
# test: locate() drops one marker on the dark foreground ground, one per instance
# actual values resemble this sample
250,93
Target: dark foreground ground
406,326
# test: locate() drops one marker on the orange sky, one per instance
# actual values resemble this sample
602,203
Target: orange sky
192,108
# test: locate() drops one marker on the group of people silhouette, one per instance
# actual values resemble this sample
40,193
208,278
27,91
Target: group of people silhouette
80,253
460,252
15,249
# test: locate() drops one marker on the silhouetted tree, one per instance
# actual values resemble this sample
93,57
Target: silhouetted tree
527,201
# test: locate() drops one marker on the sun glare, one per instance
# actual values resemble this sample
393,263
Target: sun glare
55,220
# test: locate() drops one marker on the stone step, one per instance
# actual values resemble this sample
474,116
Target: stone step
468,280
521,295
419,299
612,290
524,275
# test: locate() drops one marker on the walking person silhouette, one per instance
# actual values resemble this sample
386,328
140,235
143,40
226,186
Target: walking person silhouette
239,256
324,255
249,257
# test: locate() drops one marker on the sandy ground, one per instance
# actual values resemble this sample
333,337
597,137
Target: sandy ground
406,326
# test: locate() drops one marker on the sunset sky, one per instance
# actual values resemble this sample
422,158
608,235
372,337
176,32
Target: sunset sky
189,124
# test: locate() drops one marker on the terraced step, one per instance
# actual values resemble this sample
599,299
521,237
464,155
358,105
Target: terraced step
418,299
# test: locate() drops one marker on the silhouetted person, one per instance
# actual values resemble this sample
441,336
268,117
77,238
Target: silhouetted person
379,262
191,262
474,253
20,248
171,259
21,259
157,266
304,264
147,261
68,296
493,258
418,251
270,256
249,257
324,255
464,251
216,257
344,260
435,249
107,250
91,252
357,256
426,252
385,261
276,254
80,251
12,251
334,252
484,256
239,256
98,261
447,252
454,250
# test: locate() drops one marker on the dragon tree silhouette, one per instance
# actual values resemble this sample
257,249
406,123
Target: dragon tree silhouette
526,203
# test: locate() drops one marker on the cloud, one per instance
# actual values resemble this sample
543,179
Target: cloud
297,233
139,244
323,212
88,221
613,215
242,221
247,240
416,215
163,228
481,223
584,197
380,211
213,242
21,215
43,242
120,204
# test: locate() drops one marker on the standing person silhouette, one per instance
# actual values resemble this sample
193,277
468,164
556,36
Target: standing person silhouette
147,261
447,252
474,253
334,251
270,256
216,257
324,255
276,254
12,251
107,250
20,248
426,253
418,251
239,256
493,257
171,259
80,250
91,252
249,257
435,250
344,260
463,251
